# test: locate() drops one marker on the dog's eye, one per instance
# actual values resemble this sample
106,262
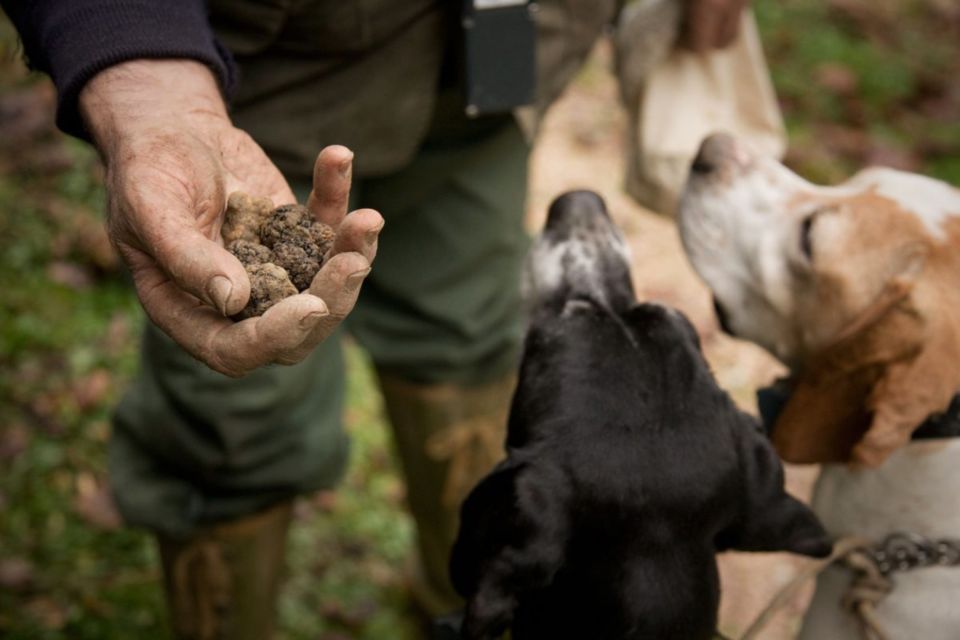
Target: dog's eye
806,242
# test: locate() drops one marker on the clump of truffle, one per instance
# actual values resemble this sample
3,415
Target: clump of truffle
286,224
322,236
269,285
244,217
281,248
250,253
300,266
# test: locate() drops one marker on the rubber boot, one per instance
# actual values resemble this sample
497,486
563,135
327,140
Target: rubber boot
222,583
447,438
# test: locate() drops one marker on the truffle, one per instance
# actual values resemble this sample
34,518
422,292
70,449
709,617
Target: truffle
269,285
250,253
282,249
244,217
286,224
322,236
300,266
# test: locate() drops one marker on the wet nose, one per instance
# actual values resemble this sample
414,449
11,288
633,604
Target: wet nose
575,209
714,150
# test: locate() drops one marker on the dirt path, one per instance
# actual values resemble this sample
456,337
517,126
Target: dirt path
582,147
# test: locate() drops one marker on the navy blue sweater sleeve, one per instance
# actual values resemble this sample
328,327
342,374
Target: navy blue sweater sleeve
72,40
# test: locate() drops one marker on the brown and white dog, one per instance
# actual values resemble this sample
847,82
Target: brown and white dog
856,288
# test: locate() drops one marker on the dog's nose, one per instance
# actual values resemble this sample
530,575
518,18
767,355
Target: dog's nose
714,151
575,208
701,165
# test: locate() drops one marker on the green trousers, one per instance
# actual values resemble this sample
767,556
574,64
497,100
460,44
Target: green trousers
191,447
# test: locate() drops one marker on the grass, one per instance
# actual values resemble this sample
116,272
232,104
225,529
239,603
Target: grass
859,81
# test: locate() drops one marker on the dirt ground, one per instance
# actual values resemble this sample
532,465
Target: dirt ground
582,147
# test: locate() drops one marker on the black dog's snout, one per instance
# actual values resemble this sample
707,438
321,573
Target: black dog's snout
575,208
580,254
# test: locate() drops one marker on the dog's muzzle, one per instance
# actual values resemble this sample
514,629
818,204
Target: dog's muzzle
580,254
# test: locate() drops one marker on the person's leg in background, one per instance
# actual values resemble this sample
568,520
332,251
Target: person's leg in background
441,317
210,465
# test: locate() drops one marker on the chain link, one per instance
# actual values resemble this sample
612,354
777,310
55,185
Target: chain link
903,551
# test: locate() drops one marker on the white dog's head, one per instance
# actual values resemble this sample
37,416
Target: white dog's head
850,285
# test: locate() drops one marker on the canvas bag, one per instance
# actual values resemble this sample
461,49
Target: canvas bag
685,97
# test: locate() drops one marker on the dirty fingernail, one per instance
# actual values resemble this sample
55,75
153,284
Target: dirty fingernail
355,279
218,290
345,165
372,235
307,321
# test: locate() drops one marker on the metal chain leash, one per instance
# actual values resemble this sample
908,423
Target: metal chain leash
904,551
872,564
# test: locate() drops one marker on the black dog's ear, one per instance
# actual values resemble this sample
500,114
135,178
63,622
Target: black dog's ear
769,519
513,531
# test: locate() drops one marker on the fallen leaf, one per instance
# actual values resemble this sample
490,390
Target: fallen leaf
353,617
26,115
47,612
96,605
848,141
382,574
94,245
47,158
45,411
16,574
94,503
91,389
837,78
118,335
82,234
874,19
886,156
395,491
14,439
69,274
325,501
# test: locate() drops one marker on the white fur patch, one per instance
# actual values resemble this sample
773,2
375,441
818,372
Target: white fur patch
931,200
575,261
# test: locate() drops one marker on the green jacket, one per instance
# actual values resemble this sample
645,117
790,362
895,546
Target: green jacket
366,73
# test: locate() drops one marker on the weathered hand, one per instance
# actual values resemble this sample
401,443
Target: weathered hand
172,157
711,24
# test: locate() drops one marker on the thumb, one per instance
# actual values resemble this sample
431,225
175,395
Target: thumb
196,264
204,268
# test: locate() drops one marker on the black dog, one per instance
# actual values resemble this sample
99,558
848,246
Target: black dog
627,470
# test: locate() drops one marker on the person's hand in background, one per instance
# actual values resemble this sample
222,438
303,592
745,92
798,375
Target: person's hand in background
172,158
711,24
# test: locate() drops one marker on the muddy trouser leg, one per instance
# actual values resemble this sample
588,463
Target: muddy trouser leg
440,315
210,464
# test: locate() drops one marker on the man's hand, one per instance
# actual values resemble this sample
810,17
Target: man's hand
172,157
711,24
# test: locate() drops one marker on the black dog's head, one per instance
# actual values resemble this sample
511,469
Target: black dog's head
587,331
627,466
